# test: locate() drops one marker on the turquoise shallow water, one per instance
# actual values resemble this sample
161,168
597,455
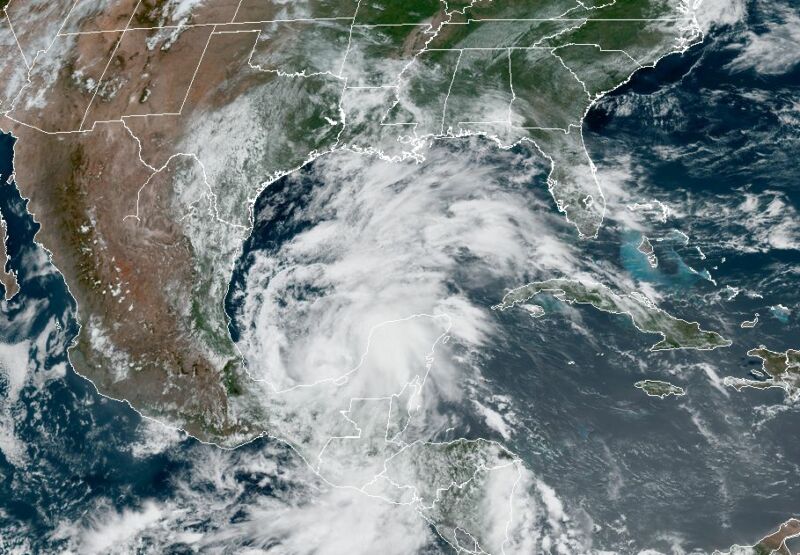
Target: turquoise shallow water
671,271
708,468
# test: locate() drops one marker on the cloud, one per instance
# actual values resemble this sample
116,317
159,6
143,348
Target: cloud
251,500
360,319
339,521
752,222
376,262
717,13
154,438
774,51
114,531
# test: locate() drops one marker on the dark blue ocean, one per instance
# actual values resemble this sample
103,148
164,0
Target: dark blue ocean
703,471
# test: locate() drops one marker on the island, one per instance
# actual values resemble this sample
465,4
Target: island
662,390
189,115
748,324
646,248
146,132
778,369
645,315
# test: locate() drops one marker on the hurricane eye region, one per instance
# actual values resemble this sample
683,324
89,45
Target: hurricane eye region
418,276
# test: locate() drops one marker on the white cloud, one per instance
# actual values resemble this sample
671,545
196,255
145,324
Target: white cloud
378,274
14,365
154,438
715,13
366,311
494,420
338,522
117,532
748,221
248,501
774,51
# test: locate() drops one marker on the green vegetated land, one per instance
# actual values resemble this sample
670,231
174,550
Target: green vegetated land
778,369
383,76
648,318
657,388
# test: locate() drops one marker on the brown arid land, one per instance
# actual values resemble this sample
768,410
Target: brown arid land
7,278
107,196
147,128
775,543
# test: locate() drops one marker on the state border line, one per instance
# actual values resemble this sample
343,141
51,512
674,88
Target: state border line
16,40
193,25
108,64
367,25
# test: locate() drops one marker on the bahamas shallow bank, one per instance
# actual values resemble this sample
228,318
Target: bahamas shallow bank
388,152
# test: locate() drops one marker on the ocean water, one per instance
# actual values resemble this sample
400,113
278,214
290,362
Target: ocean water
703,471
64,446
